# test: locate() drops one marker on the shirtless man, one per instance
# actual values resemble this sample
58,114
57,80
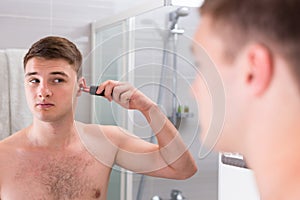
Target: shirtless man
58,158
255,45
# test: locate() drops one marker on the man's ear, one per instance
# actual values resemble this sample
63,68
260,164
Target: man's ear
260,68
81,84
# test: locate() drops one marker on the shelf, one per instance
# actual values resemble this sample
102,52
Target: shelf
185,115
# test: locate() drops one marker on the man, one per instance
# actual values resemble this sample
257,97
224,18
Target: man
59,158
255,47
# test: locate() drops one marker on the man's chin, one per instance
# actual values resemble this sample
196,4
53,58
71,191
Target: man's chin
47,117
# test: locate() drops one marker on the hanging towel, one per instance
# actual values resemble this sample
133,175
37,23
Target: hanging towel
20,116
4,97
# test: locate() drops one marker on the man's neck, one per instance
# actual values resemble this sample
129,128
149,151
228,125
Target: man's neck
272,139
279,178
53,135
274,154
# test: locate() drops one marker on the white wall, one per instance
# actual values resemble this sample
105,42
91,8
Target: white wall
236,183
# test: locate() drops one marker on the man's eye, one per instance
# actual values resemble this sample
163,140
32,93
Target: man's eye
58,80
34,81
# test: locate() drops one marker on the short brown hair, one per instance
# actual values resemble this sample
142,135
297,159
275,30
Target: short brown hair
54,47
274,23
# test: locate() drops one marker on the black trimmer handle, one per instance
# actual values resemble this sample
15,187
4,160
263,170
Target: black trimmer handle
93,90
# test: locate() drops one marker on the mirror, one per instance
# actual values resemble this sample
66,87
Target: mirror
140,37
136,49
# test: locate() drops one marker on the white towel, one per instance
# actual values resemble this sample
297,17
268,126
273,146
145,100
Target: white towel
4,97
20,116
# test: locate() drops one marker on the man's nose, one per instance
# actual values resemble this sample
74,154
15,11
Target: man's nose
44,91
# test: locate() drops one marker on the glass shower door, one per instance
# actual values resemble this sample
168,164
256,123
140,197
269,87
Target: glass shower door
110,62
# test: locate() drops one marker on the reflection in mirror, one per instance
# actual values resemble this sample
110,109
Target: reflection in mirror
132,50
157,60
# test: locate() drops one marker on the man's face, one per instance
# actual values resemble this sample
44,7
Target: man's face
51,88
214,46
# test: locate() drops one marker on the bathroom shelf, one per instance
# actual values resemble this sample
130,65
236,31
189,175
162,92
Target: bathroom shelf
185,115
180,117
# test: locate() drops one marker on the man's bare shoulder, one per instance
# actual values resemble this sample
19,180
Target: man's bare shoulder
17,139
98,140
111,132
8,151
5,150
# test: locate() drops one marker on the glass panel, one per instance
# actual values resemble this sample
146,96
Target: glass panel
109,44
106,49
153,39
137,55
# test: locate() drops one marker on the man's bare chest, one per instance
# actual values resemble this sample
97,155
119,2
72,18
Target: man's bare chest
71,176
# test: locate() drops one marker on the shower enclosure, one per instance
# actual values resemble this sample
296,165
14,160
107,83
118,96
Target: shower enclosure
148,47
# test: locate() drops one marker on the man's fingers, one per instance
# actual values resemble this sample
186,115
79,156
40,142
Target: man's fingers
108,87
122,94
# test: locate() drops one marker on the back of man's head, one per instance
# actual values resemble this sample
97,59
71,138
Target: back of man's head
273,23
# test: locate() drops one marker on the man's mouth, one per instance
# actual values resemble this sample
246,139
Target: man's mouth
44,105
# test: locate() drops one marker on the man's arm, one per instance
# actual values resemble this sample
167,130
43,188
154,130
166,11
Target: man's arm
169,158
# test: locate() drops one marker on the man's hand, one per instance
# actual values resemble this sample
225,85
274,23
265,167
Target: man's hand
125,95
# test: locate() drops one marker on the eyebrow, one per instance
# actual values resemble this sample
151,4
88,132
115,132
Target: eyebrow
59,73
52,73
30,74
